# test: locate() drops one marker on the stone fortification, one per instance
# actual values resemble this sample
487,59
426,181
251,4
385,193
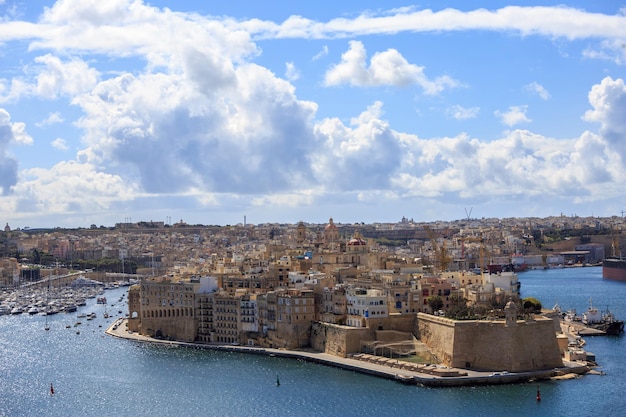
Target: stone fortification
183,329
496,345
341,340
338,340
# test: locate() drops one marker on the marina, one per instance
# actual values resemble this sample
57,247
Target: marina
49,300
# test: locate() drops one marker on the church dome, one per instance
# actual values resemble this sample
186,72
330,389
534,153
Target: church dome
356,242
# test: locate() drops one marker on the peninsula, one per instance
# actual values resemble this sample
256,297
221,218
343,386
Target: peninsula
423,301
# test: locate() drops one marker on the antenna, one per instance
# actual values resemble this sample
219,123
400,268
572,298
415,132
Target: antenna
468,215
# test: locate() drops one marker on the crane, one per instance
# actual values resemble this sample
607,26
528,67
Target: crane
442,258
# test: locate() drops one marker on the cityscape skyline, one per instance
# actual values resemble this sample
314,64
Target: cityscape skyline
281,112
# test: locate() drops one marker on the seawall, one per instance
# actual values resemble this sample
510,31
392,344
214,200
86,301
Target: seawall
389,370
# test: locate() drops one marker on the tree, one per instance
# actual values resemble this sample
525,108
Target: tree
35,256
435,303
458,308
531,305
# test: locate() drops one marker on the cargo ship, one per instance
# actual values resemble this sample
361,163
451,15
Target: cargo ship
614,268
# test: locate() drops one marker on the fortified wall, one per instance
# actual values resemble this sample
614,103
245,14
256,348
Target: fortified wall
512,345
342,340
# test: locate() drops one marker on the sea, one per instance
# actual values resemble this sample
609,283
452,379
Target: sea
94,374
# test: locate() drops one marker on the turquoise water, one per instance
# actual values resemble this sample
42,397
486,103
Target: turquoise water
94,374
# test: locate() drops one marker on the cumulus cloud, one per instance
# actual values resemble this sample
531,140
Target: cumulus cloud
514,116
52,78
251,135
53,118
201,122
60,144
462,113
358,156
608,100
386,68
538,89
9,132
68,78
84,189
370,157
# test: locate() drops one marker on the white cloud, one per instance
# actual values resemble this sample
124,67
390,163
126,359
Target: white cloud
370,157
68,78
53,78
53,118
551,22
67,188
131,28
608,100
462,113
357,157
609,49
386,68
60,144
514,116
538,89
200,122
321,54
251,135
10,133
291,72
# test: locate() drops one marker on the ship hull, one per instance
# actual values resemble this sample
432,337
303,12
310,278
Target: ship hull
614,269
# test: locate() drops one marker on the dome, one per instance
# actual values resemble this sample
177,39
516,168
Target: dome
356,242
330,225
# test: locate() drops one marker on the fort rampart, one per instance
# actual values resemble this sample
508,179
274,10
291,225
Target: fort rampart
521,345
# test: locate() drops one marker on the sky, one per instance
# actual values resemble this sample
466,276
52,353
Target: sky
280,111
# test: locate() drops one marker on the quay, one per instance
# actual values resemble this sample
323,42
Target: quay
578,328
393,369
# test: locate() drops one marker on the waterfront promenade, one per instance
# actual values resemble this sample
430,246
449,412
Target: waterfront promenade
427,375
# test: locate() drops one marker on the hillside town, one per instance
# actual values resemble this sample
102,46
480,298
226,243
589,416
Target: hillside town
394,290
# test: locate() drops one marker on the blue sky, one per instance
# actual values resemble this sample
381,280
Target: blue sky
285,111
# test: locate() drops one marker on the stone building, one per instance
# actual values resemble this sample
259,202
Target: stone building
9,272
226,312
163,308
363,304
288,317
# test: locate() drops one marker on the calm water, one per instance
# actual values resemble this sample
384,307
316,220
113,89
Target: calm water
94,374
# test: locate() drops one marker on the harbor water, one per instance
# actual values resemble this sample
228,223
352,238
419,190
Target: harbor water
95,374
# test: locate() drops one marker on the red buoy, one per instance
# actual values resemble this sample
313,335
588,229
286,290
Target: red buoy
538,395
